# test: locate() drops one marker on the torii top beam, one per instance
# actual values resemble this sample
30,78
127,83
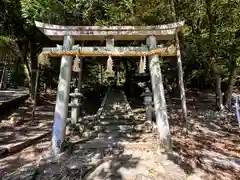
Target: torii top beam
161,32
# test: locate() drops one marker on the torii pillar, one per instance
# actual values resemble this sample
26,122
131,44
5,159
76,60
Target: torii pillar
158,96
61,107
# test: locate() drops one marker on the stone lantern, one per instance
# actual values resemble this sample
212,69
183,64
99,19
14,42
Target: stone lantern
75,105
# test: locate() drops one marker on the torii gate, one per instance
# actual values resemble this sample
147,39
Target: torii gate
110,33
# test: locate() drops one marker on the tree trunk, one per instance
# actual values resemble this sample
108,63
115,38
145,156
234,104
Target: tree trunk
24,52
219,99
125,64
127,78
35,95
3,75
34,65
231,82
16,81
181,84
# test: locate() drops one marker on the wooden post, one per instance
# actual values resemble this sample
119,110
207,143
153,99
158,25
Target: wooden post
101,73
79,86
159,97
61,108
181,84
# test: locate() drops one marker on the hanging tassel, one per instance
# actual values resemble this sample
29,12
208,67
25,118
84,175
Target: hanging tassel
142,65
109,65
76,64
43,59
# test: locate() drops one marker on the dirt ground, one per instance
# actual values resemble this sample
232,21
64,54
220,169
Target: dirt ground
16,134
27,129
211,150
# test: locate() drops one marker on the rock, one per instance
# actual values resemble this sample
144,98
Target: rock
53,170
148,126
15,120
87,133
80,128
15,114
70,129
5,121
75,165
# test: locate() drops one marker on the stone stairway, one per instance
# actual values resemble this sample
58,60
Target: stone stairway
128,145
116,124
116,121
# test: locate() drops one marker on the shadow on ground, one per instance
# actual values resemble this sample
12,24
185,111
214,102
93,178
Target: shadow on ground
212,147
212,144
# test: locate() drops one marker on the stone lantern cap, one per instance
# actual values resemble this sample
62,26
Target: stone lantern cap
76,93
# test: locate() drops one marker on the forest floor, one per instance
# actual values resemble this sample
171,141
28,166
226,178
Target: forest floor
24,132
211,150
13,137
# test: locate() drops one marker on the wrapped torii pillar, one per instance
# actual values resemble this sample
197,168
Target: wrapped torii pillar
151,34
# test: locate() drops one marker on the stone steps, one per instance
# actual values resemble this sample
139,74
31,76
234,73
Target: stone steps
130,135
115,143
116,135
116,124
122,116
119,122
117,127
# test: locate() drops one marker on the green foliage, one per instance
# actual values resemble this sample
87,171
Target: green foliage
11,21
209,38
8,47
